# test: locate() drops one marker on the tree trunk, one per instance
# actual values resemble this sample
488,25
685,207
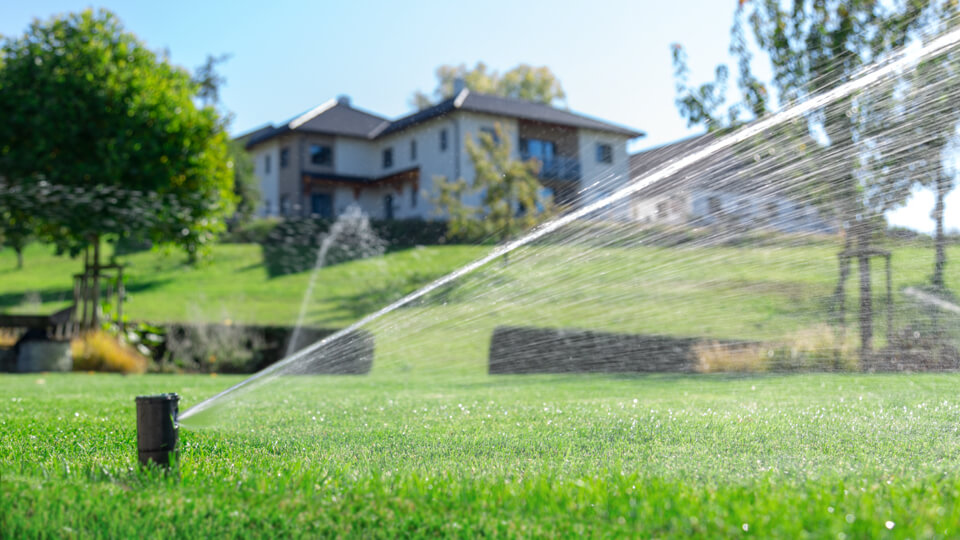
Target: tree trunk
19,257
95,297
940,258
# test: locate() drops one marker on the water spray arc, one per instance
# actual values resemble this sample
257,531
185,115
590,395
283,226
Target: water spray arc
879,72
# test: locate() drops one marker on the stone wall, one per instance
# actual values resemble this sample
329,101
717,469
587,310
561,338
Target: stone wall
548,350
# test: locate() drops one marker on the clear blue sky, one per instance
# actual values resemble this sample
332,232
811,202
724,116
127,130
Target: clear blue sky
612,57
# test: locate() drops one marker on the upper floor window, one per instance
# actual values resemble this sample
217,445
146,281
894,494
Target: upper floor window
321,154
284,157
413,149
387,158
266,163
604,153
542,150
443,140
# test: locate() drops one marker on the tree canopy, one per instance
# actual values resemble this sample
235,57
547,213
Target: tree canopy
530,83
108,131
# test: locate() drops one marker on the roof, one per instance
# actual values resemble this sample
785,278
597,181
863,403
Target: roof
334,117
338,117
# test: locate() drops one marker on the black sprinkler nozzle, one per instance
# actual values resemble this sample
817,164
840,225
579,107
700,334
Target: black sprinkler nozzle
157,429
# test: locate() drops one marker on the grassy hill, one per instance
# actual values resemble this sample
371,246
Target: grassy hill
232,285
751,292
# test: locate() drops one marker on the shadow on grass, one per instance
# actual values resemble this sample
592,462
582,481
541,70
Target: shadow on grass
63,294
372,298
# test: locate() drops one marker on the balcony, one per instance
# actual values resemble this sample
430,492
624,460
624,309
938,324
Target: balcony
556,167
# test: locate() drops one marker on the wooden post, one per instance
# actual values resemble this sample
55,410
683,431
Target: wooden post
95,313
84,291
889,299
121,293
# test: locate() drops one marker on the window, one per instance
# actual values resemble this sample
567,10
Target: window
443,140
387,158
604,153
266,163
544,151
388,207
284,205
413,196
662,209
284,157
413,150
714,206
321,155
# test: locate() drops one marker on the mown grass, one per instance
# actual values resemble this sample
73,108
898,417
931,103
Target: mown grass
839,456
748,293
232,285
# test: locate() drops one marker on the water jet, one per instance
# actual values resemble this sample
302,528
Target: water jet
157,429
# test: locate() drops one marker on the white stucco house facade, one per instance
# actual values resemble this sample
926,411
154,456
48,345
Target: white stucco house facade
337,156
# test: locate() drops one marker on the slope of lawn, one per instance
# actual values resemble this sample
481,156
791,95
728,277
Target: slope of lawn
753,293
815,456
233,284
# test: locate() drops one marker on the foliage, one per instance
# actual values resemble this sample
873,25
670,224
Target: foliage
208,80
814,46
294,245
254,231
246,185
101,351
509,193
17,226
88,109
530,83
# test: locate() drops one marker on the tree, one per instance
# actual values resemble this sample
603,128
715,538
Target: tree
209,80
537,84
246,185
96,122
813,46
510,195
16,229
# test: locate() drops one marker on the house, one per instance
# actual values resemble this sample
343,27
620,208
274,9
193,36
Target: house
336,156
727,188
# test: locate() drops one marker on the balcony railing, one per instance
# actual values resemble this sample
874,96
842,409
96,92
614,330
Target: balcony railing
557,167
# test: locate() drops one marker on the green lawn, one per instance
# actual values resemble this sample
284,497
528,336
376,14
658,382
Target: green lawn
750,293
232,285
818,456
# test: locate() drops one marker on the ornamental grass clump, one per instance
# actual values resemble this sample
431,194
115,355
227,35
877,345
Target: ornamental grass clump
100,351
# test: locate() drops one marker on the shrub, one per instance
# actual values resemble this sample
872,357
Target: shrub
99,351
717,357
293,246
817,348
252,232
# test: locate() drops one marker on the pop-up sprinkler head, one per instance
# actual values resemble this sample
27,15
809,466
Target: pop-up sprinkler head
157,429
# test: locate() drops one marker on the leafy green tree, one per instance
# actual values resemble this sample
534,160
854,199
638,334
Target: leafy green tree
530,83
89,112
932,109
16,229
511,197
812,46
